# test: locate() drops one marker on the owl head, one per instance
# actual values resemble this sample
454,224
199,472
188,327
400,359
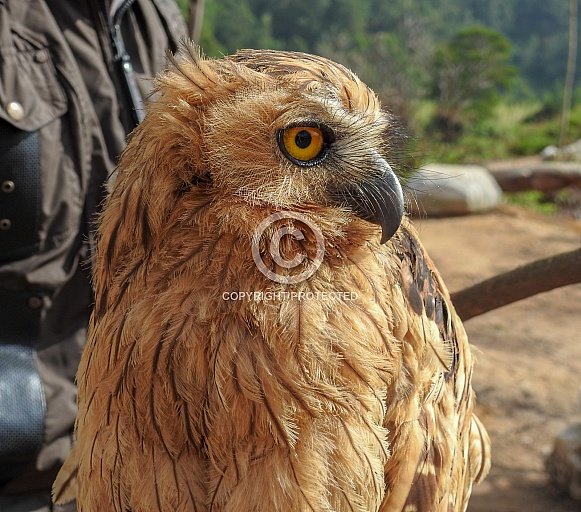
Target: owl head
282,130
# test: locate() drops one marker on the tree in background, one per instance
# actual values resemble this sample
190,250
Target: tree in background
469,71
536,29
570,75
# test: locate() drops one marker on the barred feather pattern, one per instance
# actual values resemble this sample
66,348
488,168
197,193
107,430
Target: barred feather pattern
189,401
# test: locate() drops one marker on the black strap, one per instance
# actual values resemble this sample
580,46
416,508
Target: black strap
19,192
19,316
123,65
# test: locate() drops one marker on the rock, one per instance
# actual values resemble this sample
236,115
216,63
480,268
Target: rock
568,153
564,463
445,189
572,152
550,152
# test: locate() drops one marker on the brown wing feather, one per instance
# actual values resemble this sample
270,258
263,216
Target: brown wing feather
65,486
453,445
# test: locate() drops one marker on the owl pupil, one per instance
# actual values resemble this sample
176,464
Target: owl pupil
303,139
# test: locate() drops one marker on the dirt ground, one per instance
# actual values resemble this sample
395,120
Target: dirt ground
528,373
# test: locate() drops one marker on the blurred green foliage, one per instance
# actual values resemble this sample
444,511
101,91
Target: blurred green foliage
535,29
534,200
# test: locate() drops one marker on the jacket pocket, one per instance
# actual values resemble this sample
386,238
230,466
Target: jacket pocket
39,190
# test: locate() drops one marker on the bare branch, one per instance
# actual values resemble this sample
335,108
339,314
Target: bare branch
543,176
520,283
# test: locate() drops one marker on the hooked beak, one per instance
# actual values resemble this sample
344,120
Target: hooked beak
379,200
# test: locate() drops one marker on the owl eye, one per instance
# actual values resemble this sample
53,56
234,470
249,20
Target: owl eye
303,145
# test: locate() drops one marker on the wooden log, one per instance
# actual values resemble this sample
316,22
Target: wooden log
542,176
520,283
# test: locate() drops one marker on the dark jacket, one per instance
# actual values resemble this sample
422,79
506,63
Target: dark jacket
66,107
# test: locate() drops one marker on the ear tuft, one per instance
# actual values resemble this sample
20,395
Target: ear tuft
190,70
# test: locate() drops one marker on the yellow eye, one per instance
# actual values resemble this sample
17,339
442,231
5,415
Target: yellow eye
303,145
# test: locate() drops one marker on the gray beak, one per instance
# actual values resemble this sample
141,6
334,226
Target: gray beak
379,200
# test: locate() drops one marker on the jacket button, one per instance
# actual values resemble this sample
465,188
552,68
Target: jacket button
34,302
15,111
8,186
41,56
5,224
